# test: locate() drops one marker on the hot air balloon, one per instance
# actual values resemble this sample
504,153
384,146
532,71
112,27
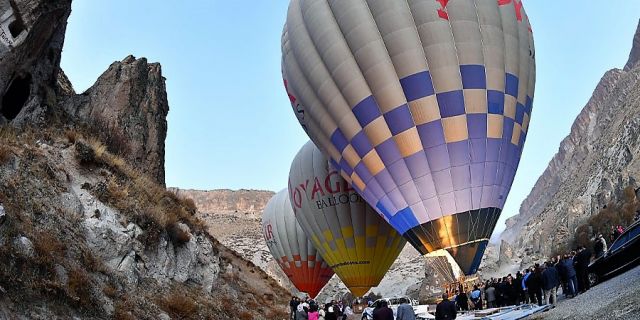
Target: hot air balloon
423,105
350,235
291,248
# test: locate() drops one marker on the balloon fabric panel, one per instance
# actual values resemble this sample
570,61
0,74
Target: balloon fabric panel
290,247
423,105
354,240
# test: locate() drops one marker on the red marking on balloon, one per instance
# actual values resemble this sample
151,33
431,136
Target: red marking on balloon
442,12
292,98
518,6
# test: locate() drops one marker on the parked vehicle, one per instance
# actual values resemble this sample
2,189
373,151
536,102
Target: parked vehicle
623,255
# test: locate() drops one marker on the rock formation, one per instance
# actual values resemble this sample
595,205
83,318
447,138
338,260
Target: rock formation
634,56
228,201
594,164
31,39
127,107
87,228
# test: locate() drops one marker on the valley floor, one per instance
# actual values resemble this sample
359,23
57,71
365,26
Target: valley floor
617,298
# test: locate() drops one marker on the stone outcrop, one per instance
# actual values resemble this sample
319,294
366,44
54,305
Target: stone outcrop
31,39
128,107
634,56
227,201
594,164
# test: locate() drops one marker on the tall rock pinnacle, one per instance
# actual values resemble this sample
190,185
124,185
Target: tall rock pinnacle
634,56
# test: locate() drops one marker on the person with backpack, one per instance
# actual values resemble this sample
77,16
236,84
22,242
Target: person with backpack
476,298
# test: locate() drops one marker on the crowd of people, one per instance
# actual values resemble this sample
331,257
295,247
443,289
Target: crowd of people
539,284
308,309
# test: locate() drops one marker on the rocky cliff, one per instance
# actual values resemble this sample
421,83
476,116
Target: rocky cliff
87,228
31,40
234,218
228,201
594,164
127,109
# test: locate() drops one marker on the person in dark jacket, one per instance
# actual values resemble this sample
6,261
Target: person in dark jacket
534,284
517,286
383,312
462,301
331,311
600,247
293,305
572,281
445,310
582,262
550,281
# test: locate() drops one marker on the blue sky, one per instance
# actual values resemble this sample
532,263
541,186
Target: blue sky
230,123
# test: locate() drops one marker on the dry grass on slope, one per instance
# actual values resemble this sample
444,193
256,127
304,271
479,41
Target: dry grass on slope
62,274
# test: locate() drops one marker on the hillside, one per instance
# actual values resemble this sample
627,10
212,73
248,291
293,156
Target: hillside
87,228
595,163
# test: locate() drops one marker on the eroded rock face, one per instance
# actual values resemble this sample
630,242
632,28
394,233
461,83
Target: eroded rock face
594,164
31,39
634,56
129,103
227,201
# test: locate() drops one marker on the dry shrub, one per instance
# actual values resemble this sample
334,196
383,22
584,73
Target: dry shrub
227,303
179,306
177,234
245,315
110,291
123,311
80,286
92,263
48,246
189,205
109,135
71,135
116,192
613,214
5,154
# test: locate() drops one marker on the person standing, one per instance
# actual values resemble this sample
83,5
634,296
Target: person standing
383,312
313,313
534,284
517,285
525,290
600,246
490,294
572,281
445,310
476,298
301,312
462,300
582,263
550,281
405,310
330,311
293,305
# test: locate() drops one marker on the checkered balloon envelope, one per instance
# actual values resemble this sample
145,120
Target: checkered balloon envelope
422,106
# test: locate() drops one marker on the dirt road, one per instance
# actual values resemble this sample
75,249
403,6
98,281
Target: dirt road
617,298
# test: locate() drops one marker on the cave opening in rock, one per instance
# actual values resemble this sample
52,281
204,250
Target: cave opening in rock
16,96
16,27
